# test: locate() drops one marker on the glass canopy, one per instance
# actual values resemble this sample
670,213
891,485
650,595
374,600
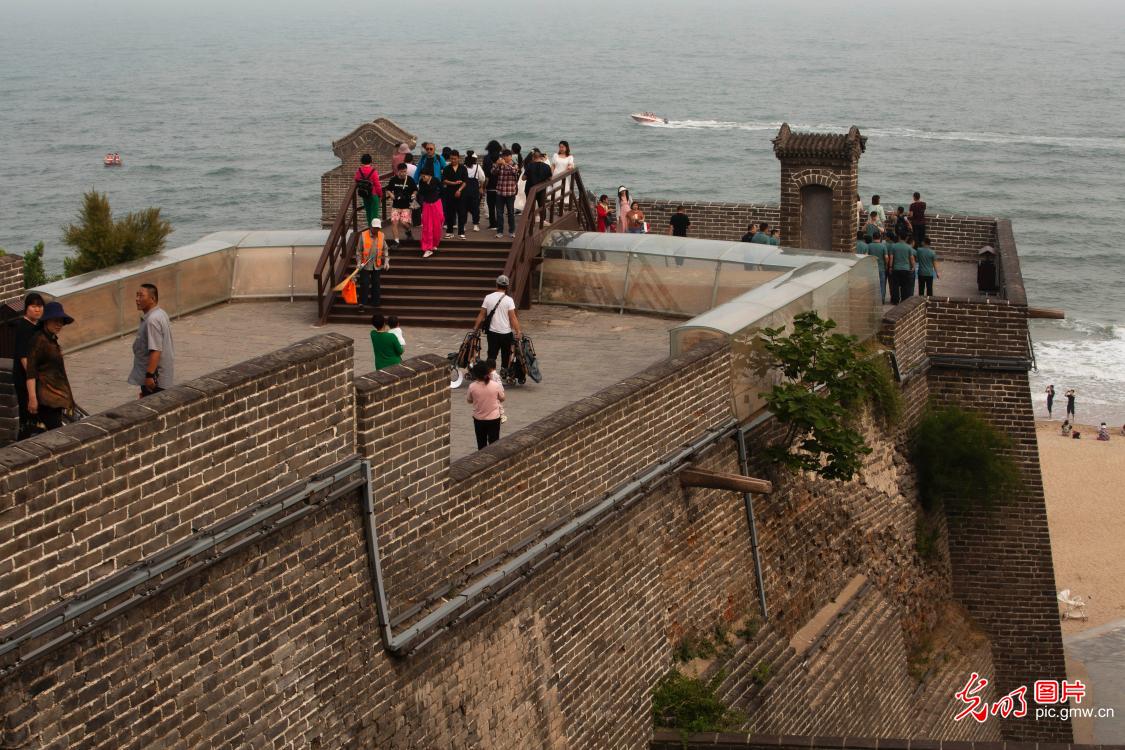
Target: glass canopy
733,289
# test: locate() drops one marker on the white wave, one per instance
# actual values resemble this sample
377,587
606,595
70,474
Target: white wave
1092,361
1079,142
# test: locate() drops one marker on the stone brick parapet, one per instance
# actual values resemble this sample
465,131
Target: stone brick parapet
9,408
11,276
83,501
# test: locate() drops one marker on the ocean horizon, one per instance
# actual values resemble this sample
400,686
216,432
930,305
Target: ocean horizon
224,117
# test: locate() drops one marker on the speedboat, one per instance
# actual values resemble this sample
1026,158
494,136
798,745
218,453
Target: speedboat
112,160
648,118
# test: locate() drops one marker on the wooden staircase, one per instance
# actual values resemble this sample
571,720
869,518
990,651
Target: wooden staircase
444,290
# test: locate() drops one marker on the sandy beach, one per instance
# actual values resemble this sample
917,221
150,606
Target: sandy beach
1084,481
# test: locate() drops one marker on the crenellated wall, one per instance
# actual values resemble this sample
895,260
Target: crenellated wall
279,641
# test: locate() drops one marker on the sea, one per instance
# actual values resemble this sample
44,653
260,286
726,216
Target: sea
224,114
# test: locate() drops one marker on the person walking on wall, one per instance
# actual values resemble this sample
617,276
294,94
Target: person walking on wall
476,181
637,223
497,318
877,250
25,327
154,354
603,213
400,189
902,270
48,388
433,216
927,268
453,180
384,344
367,187
505,179
486,395
491,157
918,218
1070,395
371,257
431,163
538,171
1050,400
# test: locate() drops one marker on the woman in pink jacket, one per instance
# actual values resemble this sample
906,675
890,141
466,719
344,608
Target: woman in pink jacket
486,395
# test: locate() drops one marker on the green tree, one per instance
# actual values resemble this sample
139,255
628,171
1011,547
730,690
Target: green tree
102,242
826,378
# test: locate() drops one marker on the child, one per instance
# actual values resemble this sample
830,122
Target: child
1065,431
393,326
1103,432
495,378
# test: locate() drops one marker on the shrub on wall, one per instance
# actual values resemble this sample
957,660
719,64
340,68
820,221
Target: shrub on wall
827,378
102,241
962,460
690,705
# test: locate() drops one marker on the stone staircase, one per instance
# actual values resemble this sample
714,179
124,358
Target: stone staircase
443,291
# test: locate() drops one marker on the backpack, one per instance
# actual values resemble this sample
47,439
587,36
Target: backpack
365,187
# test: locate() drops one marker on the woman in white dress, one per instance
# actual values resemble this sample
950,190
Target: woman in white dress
561,163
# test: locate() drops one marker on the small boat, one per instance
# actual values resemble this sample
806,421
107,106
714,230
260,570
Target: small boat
648,118
112,160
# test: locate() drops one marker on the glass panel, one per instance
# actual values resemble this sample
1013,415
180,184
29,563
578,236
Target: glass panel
670,284
97,314
262,272
584,277
304,264
205,280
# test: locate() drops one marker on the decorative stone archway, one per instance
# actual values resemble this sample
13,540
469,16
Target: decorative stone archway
811,164
377,138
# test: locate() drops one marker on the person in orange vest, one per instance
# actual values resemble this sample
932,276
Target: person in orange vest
372,260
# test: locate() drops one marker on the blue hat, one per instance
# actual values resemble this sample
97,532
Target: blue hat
54,311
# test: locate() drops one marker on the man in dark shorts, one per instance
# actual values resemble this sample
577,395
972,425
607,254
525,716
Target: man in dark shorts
918,218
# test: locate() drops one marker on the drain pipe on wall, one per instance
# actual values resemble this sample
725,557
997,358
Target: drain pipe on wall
748,502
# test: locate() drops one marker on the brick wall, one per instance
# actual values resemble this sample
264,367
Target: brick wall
83,501
279,643
1001,562
9,408
11,276
709,220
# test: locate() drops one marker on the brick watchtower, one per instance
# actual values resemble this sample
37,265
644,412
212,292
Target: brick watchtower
378,138
819,183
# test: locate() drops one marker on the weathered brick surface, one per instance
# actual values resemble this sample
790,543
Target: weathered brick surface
279,643
1001,561
9,407
11,276
83,501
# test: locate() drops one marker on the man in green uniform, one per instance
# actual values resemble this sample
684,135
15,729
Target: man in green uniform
902,269
927,268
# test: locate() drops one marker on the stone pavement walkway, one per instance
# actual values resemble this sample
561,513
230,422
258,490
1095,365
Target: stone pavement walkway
580,352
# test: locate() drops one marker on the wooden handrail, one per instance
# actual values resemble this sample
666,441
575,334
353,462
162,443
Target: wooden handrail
557,204
331,267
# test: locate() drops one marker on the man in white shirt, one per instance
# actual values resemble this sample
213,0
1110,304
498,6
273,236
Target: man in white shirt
501,324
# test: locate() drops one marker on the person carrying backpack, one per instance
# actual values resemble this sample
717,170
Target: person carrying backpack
367,187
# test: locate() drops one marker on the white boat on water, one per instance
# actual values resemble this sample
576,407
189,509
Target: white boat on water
648,118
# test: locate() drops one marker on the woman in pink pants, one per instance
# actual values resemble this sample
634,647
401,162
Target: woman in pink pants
433,216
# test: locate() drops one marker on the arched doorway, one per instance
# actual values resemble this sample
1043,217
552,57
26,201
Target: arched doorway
816,217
